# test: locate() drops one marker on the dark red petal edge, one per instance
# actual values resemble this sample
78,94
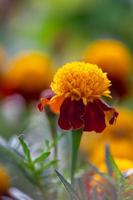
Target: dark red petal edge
113,118
105,108
103,105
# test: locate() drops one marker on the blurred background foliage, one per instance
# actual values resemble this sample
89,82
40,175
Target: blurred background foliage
50,24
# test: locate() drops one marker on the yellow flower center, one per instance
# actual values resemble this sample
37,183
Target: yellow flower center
81,80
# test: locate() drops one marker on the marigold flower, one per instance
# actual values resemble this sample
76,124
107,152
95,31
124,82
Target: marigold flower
4,181
28,74
119,137
77,89
114,58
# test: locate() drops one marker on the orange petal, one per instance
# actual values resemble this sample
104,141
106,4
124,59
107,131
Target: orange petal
44,101
55,103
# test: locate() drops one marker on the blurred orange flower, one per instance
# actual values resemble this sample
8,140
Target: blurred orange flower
77,89
114,58
4,181
28,74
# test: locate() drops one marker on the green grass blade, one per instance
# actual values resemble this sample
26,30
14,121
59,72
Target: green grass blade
68,187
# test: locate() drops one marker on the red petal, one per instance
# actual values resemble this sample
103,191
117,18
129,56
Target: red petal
71,113
40,107
105,107
94,118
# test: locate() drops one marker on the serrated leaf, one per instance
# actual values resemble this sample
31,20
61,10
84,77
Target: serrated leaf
25,148
68,187
41,157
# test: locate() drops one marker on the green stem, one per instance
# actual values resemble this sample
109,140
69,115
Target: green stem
39,182
76,138
52,119
42,191
53,127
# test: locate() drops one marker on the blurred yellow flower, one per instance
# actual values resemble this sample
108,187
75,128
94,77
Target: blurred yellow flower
114,58
122,163
4,180
119,137
112,55
28,74
121,149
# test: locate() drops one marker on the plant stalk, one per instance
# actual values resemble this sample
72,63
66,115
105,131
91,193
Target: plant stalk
76,138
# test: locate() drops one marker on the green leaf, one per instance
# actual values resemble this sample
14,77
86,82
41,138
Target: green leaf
25,148
10,153
76,138
68,187
50,164
111,165
41,157
16,159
